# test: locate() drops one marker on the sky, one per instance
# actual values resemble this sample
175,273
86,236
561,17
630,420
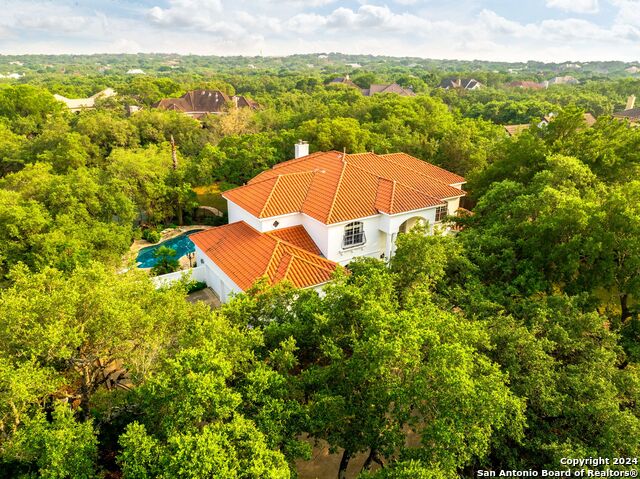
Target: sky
507,30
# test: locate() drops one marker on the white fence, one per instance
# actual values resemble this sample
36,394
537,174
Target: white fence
196,274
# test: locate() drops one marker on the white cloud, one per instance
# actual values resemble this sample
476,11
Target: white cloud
423,28
187,13
577,6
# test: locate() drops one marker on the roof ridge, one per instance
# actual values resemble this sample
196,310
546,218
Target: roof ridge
335,195
302,158
286,271
272,258
302,258
393,195
273,188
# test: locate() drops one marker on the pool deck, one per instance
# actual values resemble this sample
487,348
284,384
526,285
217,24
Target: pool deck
165,235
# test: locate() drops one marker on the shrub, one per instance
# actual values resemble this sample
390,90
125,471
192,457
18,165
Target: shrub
194,286
152,236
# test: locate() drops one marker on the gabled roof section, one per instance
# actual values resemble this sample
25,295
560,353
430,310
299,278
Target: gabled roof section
394,198
332,187
297,236
246,255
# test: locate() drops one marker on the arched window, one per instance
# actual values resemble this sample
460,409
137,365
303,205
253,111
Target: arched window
353,235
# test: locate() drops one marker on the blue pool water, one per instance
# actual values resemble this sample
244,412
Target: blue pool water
182,244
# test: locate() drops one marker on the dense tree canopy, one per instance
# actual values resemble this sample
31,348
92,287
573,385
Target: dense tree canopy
508,345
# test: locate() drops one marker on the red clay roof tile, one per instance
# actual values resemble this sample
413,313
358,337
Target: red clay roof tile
245,255
334,189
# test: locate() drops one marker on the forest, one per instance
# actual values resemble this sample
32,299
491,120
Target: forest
508,346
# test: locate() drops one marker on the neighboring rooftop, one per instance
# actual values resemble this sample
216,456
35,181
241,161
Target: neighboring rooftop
513,130
244,254
198,103
460,83
76,104
633,114
390,88
333,187
526,84
345,80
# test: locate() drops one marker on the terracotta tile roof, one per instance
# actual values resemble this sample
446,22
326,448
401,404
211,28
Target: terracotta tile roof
246,255
297,236
334,189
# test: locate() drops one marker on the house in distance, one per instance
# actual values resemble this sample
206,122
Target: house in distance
198,103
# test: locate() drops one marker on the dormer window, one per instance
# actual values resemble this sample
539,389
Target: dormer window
353,235
441,213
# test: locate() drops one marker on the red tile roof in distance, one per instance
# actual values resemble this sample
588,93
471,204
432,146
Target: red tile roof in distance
333,188
245,255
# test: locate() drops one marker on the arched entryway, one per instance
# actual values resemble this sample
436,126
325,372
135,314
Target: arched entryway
411,223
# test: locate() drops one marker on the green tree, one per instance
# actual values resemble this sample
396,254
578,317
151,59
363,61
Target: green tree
166,261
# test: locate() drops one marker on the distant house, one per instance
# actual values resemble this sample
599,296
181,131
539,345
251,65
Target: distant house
198,103
77,104
630,113
513,130
460,84
345,80
13,76
526,84
632,69
135,71
390,88
565,80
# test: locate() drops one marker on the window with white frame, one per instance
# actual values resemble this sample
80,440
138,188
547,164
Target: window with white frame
353,235
441,212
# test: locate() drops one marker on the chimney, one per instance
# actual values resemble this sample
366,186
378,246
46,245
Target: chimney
302,148
631,101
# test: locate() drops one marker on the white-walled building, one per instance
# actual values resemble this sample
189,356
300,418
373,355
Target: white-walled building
78,104
300,219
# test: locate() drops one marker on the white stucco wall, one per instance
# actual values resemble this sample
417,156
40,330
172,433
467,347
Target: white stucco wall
319,233
196,274
372,246
284,221
215,278
236,213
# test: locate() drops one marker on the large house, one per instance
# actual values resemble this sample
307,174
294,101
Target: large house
301,219
78,104
374,88
460,84
198,103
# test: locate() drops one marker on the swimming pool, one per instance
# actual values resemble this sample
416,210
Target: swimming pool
182,244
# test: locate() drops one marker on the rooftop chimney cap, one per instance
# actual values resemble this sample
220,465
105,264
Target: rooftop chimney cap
301,149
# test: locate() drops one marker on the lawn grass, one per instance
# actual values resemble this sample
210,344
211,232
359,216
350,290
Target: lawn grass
211,195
